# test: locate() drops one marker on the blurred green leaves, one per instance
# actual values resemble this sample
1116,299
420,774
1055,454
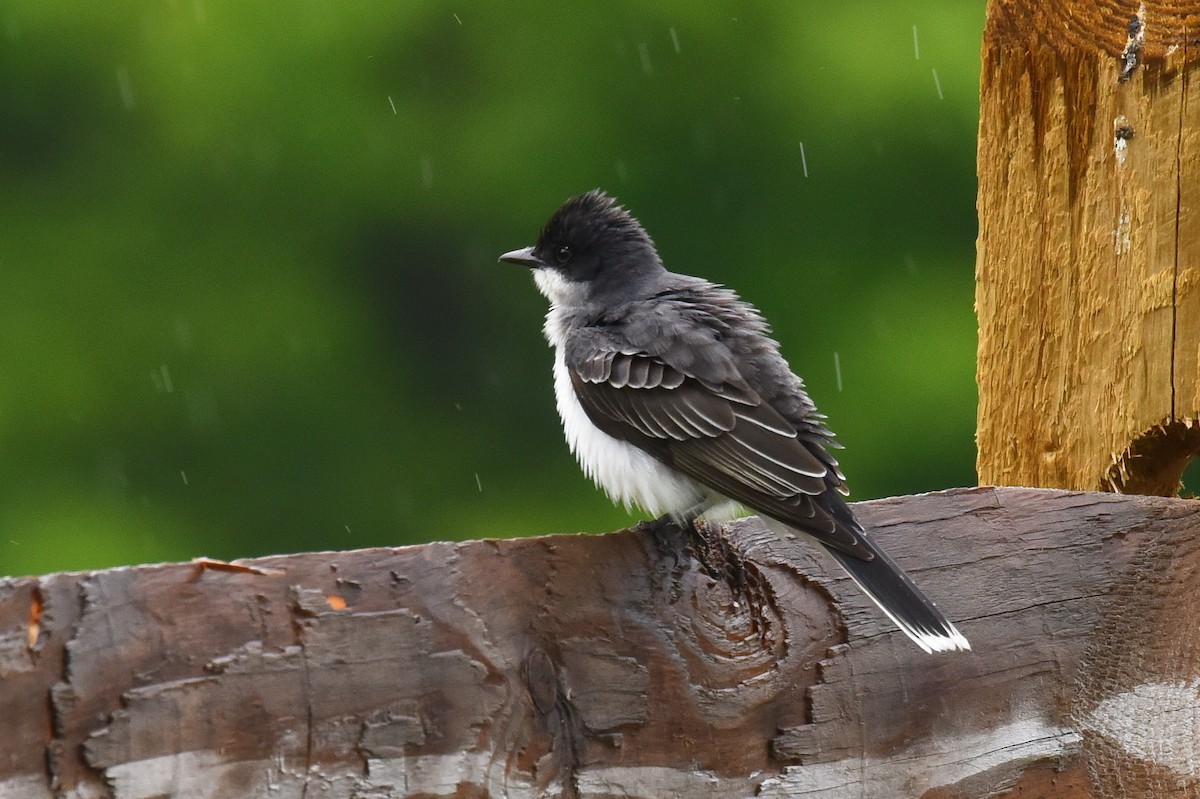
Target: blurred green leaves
248,293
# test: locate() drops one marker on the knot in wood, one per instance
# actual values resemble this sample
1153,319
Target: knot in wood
735,631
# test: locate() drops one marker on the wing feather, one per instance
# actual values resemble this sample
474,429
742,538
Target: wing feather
639,372
784,451
784,430
618,373
721,434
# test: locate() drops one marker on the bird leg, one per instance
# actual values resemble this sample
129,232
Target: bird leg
669,536
687,535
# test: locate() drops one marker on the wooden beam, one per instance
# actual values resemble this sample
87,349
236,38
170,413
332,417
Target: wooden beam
627,665
1088,275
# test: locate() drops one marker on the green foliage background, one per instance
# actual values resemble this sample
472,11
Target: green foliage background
249,298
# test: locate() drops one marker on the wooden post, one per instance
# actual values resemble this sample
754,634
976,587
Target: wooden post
1088,279
627,665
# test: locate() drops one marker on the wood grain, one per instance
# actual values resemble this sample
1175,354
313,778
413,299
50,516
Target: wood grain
629,664
1088,293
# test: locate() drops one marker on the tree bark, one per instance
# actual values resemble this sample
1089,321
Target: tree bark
634,664
1088,289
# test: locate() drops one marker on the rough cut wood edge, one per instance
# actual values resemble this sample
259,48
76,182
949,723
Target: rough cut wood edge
620,665
1088,271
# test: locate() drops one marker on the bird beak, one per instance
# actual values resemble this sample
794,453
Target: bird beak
523,256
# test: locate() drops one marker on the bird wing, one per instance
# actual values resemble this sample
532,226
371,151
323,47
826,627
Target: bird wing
718,432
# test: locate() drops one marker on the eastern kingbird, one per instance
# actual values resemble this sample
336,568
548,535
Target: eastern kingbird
674,398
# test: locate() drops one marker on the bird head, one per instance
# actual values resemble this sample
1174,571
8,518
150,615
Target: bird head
591,248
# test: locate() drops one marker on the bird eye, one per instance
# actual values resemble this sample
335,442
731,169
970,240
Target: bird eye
562,254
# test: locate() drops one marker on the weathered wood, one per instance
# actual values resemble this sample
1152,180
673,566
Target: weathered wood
615,665
1088,276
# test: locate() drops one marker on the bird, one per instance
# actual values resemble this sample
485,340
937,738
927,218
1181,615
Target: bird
675,398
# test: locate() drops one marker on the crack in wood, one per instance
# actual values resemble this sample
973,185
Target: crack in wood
557,716
1178,216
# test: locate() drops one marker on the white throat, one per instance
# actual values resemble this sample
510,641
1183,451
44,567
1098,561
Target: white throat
557,288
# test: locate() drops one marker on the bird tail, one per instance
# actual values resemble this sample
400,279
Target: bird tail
897,596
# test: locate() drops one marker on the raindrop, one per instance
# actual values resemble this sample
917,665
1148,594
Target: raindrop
938,85
392,104
478,484
126,87
426,171
183,474
183,332
161,378
803,160
644,54
837,370
456,19
675,42
916,45
622,172
111,476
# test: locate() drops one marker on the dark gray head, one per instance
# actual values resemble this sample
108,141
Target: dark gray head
591,250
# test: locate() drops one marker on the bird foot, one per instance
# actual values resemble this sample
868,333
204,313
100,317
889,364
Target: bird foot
669,537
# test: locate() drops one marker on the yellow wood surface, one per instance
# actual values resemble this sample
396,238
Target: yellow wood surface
1088,289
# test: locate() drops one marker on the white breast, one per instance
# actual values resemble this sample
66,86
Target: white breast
627,474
